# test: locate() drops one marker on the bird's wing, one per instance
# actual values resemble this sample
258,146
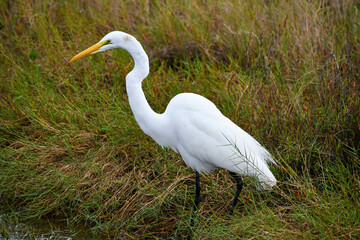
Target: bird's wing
207,139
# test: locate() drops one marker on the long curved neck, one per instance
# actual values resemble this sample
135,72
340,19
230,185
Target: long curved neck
148,120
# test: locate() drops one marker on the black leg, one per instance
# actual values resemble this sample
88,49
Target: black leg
197,197
197,193
239,185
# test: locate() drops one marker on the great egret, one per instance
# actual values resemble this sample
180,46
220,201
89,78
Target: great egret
191,125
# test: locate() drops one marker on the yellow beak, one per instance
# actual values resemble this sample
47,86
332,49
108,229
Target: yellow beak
91,49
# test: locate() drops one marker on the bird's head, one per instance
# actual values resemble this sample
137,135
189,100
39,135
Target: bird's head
116,39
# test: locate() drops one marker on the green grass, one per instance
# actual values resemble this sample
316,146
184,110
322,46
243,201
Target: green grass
287,73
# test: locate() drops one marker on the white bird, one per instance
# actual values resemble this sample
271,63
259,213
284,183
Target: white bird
191,125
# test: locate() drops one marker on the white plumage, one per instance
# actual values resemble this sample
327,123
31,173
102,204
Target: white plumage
191,124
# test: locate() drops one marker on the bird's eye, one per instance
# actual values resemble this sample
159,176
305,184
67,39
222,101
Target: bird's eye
107,42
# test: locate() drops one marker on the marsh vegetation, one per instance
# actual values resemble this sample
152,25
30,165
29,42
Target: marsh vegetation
287,72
